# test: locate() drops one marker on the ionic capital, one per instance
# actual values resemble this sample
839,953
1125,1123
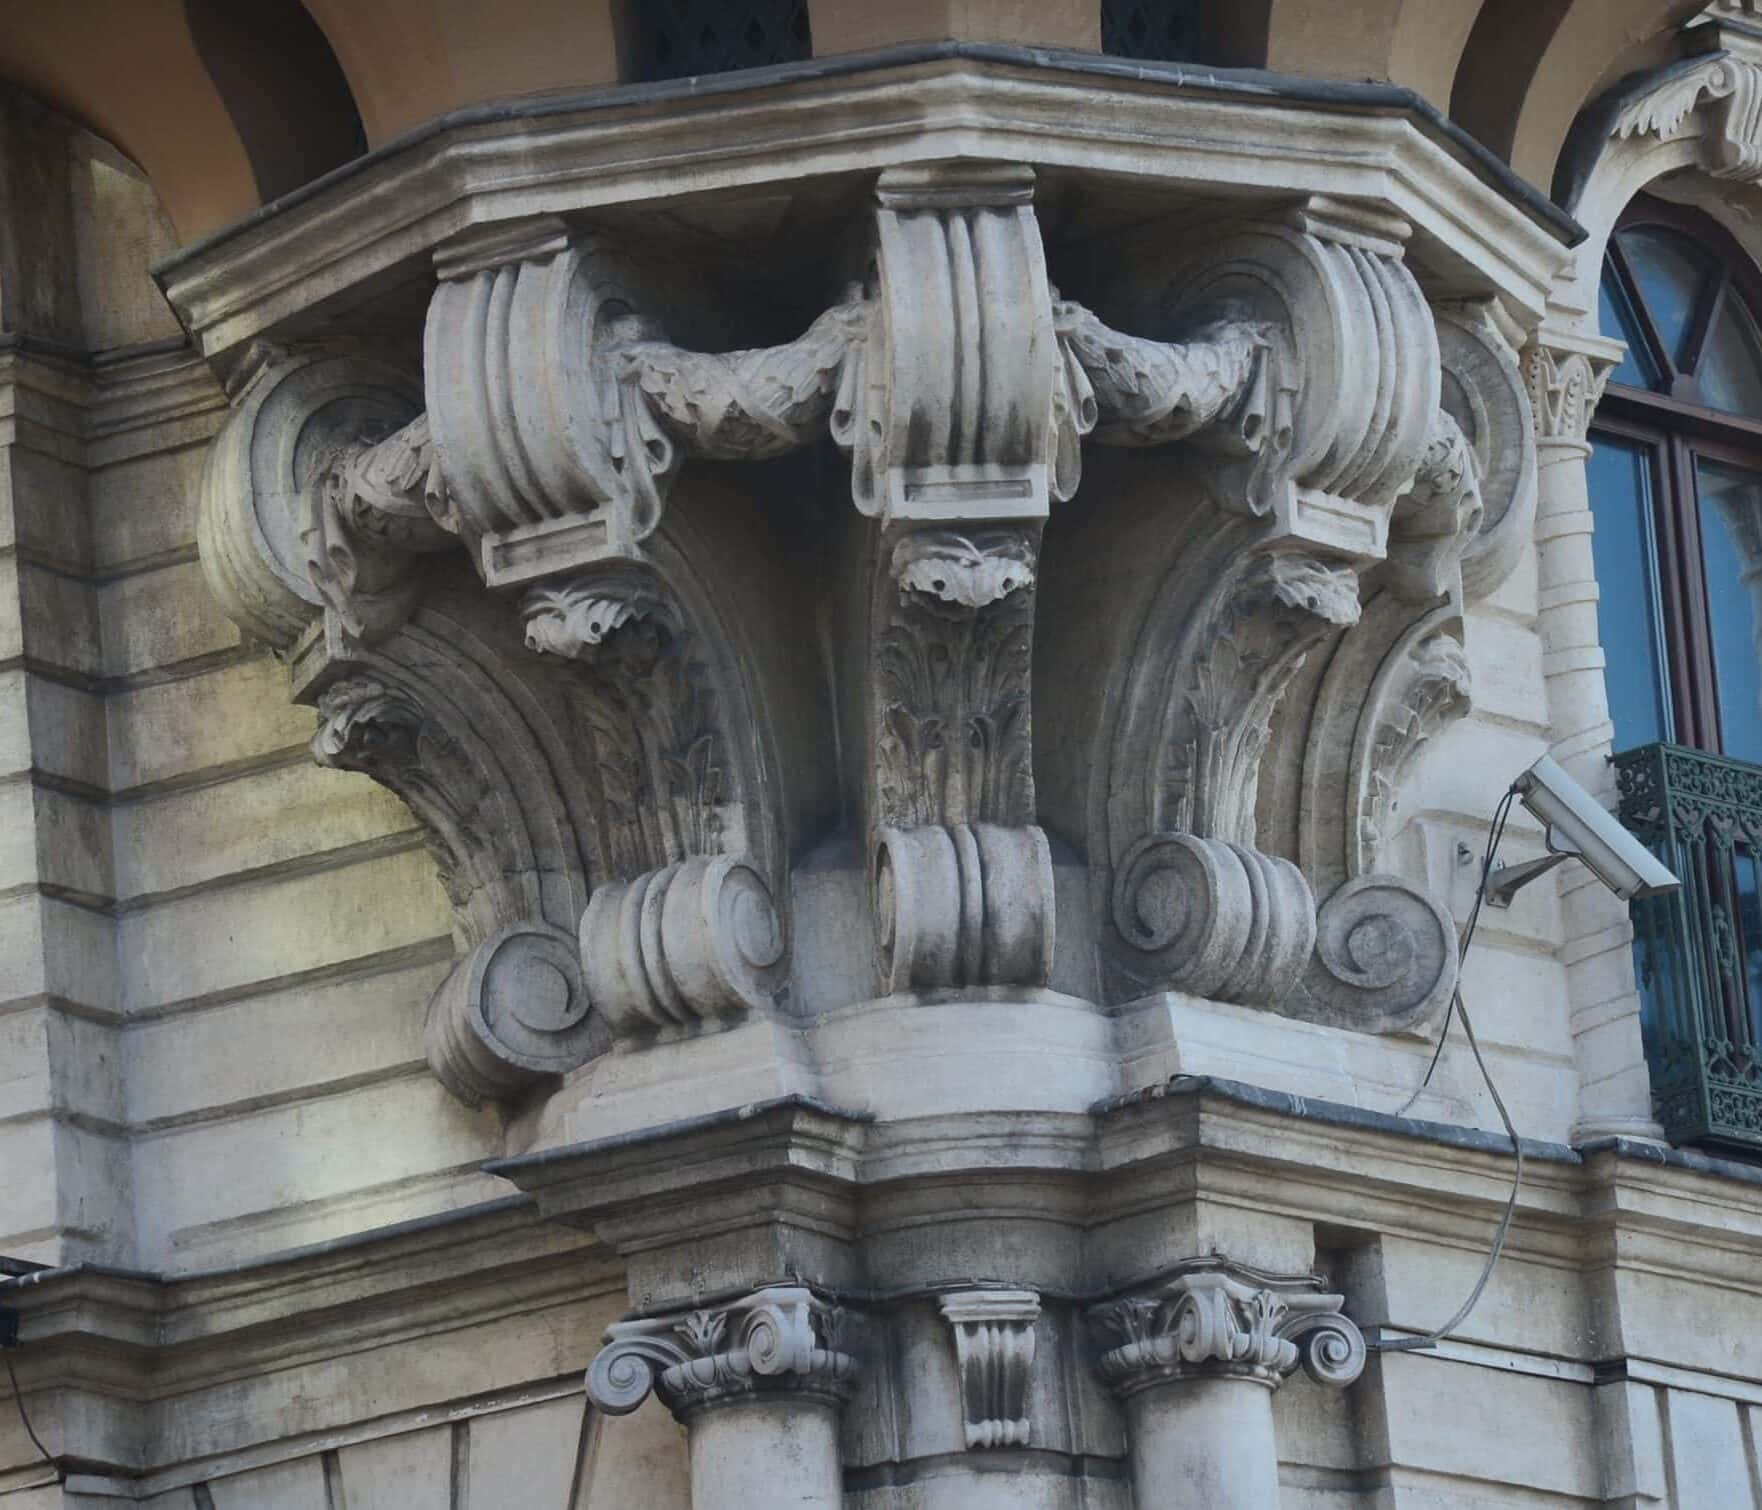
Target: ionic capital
780,1341
1215,1320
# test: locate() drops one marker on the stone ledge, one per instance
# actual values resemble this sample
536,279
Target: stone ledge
825,120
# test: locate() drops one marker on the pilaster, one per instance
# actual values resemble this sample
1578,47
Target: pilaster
1566,374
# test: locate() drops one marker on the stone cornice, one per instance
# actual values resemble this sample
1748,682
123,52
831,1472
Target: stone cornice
143,1336
1315,1160
1174,132
130,402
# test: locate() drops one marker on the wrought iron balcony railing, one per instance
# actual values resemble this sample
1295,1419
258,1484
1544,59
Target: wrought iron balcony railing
1698,952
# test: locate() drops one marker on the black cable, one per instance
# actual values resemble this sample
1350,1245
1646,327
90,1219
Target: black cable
1496,832
29,1430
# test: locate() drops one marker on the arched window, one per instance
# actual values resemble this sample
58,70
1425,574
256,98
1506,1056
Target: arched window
1675,481
676,39
1150,29
1676,486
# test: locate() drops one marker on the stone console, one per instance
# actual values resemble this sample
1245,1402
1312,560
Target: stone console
844,710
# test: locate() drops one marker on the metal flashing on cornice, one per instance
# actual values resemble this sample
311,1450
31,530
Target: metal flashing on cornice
1664,1157
783,1108
380,217
286,1257
1338,1114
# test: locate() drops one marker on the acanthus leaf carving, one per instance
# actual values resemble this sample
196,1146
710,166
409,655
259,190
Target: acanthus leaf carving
954,740
574,617
1427,690
1661,111
1731,85
1251,636
1564,385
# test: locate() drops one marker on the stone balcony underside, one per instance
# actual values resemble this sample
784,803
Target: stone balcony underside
831,611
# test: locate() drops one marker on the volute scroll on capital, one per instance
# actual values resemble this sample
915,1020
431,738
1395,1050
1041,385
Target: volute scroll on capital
1217,1320
784,1340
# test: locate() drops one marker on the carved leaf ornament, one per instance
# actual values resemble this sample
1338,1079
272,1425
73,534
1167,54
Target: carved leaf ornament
613,747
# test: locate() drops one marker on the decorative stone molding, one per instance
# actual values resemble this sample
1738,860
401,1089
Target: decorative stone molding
514,1009
994,1350
1388,480
1248,637
1219,1320
961,904
293,415
1385,958
696,941
376,506
1217,919
1733,87
1420,691
953,420
574,617
1482,388
1565,380
783,1339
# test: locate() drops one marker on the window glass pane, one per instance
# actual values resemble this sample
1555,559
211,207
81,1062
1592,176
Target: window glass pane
1616,319
1628,614
1671,272
1730,374
1731,555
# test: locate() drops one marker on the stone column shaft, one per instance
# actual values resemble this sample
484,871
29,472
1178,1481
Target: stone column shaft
1204,1444
773,1452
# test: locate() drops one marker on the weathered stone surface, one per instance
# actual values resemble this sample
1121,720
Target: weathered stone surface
891,737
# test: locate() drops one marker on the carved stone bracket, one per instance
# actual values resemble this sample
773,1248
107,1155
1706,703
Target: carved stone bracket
994,1350
1732,87
1356,458
676,947
779,1339
1219,1320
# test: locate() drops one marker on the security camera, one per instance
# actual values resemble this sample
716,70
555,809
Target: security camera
1578,827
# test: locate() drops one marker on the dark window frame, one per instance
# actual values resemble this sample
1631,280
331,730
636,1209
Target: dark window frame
1676,427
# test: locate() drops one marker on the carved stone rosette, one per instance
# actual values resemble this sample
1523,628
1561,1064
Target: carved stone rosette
779,1340
1219,1320
994,1350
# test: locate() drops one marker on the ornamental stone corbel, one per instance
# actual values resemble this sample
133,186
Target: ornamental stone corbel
623,759
758,1383
1194,1360
994,1351
957,449
1367,473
